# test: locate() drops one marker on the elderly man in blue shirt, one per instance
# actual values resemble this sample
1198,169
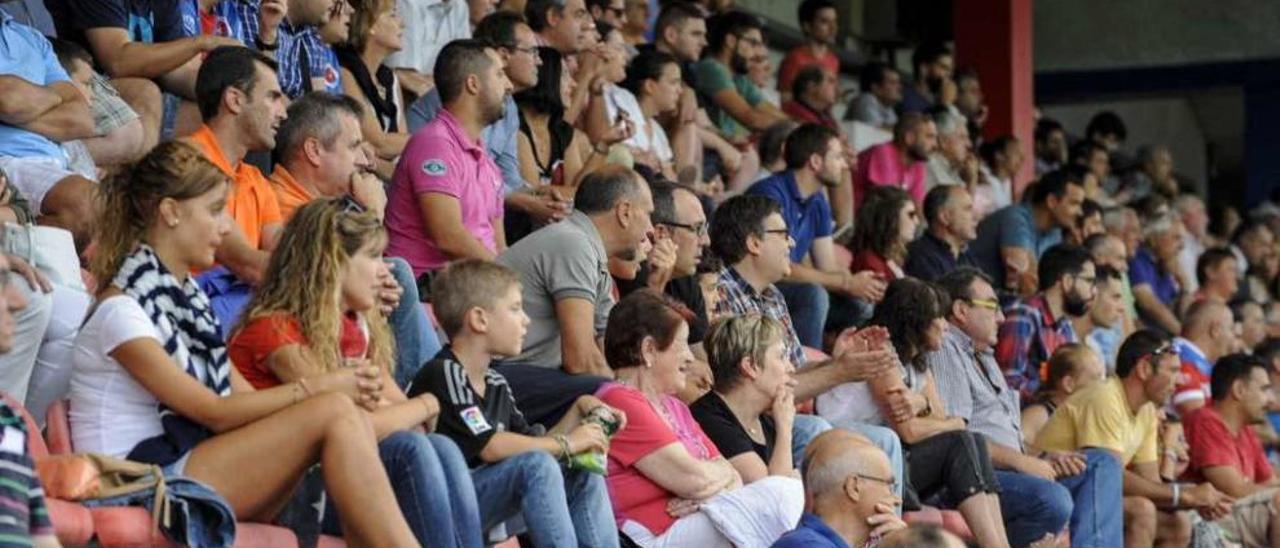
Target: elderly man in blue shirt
517,43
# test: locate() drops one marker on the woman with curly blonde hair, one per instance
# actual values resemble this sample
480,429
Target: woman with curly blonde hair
152,381
316,313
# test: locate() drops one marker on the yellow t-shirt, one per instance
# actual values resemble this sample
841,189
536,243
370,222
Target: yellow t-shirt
1099,417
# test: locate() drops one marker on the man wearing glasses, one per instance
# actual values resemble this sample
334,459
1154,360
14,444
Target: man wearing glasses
1036,326
1042,492
1121,416
613,12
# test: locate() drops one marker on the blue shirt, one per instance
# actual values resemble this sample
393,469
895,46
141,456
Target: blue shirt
27,54
1143,270
811,533
808,218
237,19
320,61
1010,226
499,137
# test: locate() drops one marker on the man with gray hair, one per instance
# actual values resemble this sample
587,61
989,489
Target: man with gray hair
849,483
954,162
1195,220
1153,271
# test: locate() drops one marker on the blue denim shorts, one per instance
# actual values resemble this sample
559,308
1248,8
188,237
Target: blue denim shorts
177,467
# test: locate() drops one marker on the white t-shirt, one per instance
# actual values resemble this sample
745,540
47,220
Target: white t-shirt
649,136
110,412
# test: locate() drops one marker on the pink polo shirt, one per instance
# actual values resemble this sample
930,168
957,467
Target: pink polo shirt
440,158
881,165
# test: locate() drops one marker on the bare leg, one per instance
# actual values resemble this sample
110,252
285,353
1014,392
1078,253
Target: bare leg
256,467
69,205
746,173
145,98
982,513
188,119
1139,522
1173,529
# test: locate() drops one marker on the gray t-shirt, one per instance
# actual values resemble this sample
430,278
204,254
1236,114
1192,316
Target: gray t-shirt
565,260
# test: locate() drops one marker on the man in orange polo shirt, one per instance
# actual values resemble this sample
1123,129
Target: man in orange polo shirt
242,105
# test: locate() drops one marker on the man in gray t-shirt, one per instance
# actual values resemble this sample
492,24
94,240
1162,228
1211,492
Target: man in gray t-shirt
568,291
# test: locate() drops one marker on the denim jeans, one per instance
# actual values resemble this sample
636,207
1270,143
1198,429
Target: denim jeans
1098,519
560,508
808,305
807,427
433,488
416,339
1032,506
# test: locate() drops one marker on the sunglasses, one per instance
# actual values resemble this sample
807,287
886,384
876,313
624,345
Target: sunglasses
989,304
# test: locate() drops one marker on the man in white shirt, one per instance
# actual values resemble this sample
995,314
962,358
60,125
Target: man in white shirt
1196,222
428,26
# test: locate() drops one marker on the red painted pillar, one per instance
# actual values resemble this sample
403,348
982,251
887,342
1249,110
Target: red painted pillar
994,37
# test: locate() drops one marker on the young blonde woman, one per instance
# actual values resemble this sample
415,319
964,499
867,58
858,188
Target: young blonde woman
316,313
152,381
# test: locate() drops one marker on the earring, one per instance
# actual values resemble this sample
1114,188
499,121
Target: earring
173,223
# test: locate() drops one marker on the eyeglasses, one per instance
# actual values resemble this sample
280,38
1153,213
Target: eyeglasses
989,304
891,482
780,231
527,50
699,229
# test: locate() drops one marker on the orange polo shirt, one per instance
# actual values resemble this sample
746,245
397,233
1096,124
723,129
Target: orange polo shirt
252,203
289,192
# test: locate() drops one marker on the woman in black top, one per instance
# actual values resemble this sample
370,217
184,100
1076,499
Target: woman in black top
376,32
749,413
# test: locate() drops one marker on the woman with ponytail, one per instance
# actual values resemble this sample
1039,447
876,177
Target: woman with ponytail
153,384
314,314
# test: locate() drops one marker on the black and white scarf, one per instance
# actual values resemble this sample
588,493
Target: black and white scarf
191,336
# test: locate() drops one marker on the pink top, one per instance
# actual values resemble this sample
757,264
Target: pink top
881,165
634,496
440,158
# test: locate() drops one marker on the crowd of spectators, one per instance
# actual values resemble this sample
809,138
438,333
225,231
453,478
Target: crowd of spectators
594,273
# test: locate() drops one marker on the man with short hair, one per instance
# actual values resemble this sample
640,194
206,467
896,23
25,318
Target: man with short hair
818,22
301,56
320,153
1121,416
881,92
850,484
1011,240
1103,327
613,12
815,161
952,224
568,291
1040,493
1154,273
900,162
736,106
1036,326
1207,335
1050,145
1217,275
1225,451
813,94
933,64
446,196
1254,245
681,30
954,162
560,24
1195,222
242,105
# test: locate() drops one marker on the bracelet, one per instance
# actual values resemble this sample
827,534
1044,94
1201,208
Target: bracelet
1177,494
564,446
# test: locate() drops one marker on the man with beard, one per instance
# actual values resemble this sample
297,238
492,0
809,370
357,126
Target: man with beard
1226,452
1050,145
1036,326
933,63
736,106
815,161
900,162
446,194
568,292
1011,240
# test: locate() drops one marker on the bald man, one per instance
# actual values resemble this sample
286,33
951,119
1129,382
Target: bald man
1208,333
849,483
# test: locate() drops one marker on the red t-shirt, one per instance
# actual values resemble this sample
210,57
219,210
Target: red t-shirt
634,496
798,59
250,348
868,260
1213,445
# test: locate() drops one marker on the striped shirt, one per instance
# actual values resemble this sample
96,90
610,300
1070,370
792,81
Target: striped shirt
302,56
22,509
237,19
972,388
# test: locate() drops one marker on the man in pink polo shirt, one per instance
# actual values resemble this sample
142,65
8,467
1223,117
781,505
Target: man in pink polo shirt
900,162
446,195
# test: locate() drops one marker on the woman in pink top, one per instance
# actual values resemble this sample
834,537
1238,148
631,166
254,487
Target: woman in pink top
668,483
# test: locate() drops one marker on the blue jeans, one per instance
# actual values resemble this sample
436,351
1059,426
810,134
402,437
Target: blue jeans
560,508
808,305
433,488
1098,519
1032,506
807,427
416,339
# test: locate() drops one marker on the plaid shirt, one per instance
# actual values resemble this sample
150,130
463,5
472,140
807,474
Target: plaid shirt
237,19
297,43
1028,337
736,297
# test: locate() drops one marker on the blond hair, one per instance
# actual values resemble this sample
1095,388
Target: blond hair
303,280
129,202
465,285
735,338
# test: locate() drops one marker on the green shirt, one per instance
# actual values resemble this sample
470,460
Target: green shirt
714,77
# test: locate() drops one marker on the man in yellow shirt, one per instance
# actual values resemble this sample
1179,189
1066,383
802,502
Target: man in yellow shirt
1121,416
